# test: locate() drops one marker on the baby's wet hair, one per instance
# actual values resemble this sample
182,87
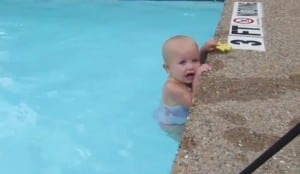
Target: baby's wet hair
168,48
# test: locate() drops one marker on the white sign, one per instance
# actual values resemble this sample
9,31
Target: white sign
246,30
247,9
247,43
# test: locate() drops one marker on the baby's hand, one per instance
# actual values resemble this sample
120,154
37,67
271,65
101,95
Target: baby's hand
209,45
203,68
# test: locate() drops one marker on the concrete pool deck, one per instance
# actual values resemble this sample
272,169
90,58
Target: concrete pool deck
248,101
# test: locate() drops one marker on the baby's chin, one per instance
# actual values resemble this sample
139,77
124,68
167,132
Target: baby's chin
188,82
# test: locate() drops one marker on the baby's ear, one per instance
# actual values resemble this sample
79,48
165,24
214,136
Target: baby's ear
165,66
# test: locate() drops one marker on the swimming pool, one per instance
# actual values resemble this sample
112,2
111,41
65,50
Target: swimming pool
79,81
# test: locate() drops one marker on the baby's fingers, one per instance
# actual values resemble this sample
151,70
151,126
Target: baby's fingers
205,67
210,45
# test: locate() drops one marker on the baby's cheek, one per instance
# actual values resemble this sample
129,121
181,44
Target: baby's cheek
197,64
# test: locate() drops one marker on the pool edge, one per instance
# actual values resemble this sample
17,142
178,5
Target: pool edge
245,105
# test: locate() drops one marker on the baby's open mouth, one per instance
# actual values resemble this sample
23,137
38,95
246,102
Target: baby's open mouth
190,76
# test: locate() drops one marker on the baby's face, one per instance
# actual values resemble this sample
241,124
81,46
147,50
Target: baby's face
183,64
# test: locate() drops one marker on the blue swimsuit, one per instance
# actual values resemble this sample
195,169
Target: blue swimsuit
171,114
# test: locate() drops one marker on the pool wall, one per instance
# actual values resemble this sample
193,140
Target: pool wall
249,100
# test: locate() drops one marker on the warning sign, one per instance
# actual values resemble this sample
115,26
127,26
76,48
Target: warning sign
243,20
251,21
246,30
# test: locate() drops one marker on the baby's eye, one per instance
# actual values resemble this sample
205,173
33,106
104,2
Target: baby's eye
182,62
196,60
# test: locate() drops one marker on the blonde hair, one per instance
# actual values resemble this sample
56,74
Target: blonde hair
172,44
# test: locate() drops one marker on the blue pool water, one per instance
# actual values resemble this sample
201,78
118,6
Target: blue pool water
79,81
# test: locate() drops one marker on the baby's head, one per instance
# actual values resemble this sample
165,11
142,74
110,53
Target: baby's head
181,58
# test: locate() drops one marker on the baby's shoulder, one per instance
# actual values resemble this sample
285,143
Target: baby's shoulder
173,88
170,86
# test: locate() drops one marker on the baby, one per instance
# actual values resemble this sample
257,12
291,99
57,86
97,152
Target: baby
184,62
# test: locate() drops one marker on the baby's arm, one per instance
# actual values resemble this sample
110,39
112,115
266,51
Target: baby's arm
179,94
176,94
209,46
196,83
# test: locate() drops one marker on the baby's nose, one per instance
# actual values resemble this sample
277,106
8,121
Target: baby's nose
190,65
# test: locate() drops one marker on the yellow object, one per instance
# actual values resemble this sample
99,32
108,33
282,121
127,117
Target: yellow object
223,47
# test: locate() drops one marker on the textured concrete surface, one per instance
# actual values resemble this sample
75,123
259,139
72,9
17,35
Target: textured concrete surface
248,101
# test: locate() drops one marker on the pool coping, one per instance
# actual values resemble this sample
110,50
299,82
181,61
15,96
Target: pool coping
248,101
